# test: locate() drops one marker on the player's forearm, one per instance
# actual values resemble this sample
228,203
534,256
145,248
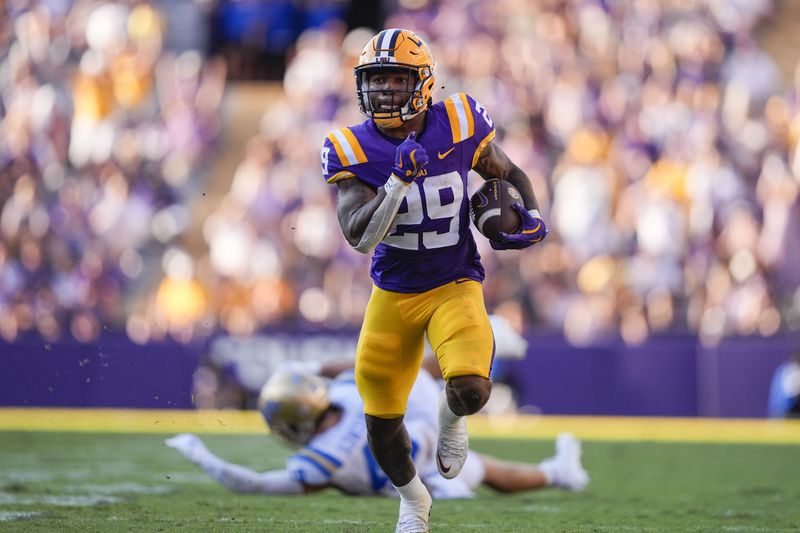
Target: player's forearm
383,217
243,480
356,205
522,183
358,221
494,163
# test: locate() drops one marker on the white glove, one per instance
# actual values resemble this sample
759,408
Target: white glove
232,476
190,446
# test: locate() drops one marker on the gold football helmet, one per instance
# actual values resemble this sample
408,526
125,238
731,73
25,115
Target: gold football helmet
396,49
292,402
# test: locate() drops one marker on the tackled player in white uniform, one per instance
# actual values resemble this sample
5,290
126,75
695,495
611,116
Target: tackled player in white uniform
327,420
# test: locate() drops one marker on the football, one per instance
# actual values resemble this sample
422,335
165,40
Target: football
491,211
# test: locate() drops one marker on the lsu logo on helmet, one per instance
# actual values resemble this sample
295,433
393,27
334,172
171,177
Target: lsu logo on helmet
396,49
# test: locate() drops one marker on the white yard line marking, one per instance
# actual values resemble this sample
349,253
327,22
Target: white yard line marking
59,501
13,516
121,488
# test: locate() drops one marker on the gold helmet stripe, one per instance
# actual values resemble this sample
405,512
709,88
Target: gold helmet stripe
347,147
462,124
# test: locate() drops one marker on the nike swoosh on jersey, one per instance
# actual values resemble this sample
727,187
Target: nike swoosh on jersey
443,155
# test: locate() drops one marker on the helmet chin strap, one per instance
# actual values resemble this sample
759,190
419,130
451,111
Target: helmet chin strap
397,120
394,122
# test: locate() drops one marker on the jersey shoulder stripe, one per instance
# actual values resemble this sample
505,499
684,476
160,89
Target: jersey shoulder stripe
325,455
459,112
324,471
343,175
321,463
347,147
486,140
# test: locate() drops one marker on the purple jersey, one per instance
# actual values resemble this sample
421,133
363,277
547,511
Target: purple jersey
430,243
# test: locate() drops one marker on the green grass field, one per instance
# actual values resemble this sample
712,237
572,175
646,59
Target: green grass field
108,482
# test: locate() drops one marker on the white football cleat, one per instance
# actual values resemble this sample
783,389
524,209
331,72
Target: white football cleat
414,515
190,446
565,469
452,445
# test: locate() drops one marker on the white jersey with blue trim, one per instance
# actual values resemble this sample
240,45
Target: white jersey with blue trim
341,457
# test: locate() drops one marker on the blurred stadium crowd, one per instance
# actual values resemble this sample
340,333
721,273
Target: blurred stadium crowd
101,135
661,140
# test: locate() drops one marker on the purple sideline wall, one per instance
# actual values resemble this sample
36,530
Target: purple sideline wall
667,376
656,379
112,372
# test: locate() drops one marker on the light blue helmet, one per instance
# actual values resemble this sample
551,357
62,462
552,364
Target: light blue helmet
292,402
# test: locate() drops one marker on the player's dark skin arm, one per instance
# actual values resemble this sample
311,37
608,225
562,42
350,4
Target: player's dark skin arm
356,204
494,163
357,201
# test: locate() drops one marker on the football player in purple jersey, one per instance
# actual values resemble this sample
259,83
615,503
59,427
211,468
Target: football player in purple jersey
401,178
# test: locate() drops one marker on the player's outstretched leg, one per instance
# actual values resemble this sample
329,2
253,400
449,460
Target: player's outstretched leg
452,445
565,470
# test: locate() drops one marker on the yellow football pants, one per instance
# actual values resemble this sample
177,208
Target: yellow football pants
391,344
